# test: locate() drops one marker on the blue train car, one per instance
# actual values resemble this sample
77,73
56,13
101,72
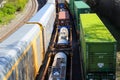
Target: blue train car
61,5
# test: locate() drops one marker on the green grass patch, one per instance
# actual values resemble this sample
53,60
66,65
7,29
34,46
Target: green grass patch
10,8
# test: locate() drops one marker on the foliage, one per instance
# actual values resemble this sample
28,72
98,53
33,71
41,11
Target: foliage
9,9
20,4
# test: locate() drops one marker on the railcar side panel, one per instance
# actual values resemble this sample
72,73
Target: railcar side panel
19,59
98,48
46,16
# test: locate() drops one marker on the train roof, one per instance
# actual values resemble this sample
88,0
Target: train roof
26,34
81,4
94,30
42,15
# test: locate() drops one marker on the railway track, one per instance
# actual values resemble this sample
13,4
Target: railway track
74,66
21,19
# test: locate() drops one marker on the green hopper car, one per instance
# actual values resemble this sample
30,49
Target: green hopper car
80,7
98,49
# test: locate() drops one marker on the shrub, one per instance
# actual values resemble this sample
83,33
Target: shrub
9,9
20,4
1,16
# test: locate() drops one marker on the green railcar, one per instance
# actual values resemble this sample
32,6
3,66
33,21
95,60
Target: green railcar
98,48
79,8
71,5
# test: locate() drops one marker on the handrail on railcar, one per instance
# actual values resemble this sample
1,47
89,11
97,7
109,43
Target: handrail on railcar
41,38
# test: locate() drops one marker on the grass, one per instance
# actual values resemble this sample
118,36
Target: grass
7,13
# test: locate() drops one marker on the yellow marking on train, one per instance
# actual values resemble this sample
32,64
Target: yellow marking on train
42,44
40,25
18,61
35,56
16,71
41,37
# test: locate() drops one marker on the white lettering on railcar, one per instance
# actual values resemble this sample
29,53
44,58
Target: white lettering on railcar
100,65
